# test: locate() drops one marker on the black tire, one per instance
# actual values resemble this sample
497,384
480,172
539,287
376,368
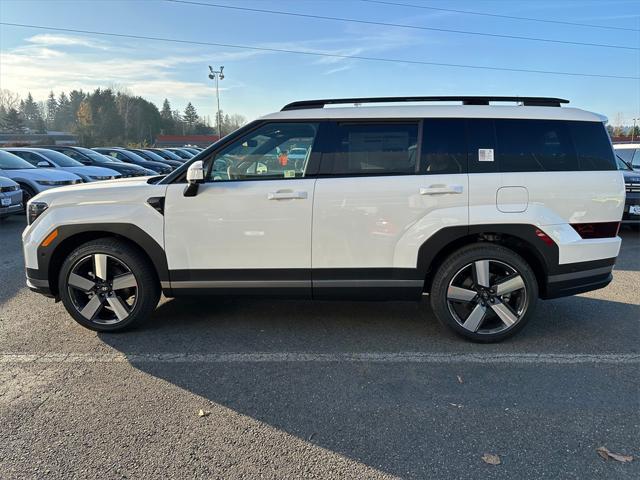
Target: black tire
494,312
27,194
120,255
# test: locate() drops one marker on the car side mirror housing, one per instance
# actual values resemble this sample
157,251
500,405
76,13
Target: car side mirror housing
195,176
42,164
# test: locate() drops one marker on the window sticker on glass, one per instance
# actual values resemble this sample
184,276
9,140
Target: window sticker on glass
289,174
485,154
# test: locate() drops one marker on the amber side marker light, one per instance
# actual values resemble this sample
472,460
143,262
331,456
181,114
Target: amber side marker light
50,238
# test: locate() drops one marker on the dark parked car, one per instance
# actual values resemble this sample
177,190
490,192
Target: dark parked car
86,156
166,154
154,157
631,215
182,153
130,157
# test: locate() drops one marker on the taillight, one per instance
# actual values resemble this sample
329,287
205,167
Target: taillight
597,230
544,237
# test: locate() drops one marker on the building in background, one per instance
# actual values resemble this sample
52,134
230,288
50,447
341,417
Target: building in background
49,138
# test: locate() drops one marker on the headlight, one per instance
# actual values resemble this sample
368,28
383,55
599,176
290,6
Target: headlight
34,210
50,183
101,177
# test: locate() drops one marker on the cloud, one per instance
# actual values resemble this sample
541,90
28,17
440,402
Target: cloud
50,39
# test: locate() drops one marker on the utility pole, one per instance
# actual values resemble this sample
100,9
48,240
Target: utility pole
217,75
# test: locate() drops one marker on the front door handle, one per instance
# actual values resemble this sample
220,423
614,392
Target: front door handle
440,189
286,195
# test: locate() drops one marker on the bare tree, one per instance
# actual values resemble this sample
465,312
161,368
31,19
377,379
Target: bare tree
9,99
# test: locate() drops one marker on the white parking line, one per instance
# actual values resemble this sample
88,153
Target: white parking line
294,357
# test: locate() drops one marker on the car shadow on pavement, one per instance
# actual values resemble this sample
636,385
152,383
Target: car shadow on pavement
11,266
404,419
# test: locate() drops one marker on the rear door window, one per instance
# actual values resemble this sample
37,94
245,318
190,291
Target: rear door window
362,149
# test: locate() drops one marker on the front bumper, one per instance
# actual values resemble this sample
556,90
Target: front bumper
633,199
574,278
37,284
11,209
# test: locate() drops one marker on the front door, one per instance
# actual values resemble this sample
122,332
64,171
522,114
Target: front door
248,229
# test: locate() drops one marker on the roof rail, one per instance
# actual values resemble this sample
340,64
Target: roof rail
526,101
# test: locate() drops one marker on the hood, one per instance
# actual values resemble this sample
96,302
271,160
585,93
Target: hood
7,182
631,176
39,174
93,171
122,191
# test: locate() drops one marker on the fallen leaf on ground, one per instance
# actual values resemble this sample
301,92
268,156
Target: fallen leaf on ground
203,413
460,379
491,459
606,454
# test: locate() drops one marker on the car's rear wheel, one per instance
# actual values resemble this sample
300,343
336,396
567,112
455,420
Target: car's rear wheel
108,285
484,292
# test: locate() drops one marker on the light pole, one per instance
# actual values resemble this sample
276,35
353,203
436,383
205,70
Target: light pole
217,75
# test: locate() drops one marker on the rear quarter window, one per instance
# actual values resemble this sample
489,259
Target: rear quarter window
593,146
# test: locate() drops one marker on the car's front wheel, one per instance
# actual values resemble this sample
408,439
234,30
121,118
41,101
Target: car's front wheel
108,285
484,292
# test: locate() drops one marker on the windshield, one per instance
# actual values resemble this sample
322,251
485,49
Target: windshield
154,157
95,155
9,161
625,154
622,165
60,159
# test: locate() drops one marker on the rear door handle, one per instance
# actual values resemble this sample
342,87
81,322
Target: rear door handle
286,195
440,189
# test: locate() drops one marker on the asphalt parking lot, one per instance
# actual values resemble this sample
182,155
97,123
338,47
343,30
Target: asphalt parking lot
317,390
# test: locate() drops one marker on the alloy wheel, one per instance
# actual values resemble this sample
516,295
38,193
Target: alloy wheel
487,297
103,289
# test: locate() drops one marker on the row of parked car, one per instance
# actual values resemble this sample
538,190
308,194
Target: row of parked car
27,171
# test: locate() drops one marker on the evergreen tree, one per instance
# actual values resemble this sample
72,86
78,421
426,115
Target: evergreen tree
52,108
64,118
13,122
190,116
32,115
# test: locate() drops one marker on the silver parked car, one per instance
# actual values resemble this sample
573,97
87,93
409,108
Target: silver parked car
43,158
10,197
33,180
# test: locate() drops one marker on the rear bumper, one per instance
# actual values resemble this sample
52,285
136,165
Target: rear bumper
571,279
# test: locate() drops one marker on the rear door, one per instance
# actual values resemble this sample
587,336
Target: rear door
379,196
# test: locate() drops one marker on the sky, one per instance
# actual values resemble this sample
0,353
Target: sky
259,82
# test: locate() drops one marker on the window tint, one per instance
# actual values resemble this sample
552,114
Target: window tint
373,149
444,148
534,146
481,139
593,146
266,153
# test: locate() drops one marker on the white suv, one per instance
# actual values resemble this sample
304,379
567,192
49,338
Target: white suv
482,207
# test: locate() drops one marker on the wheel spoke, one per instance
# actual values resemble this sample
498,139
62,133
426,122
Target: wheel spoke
126,280
100,265
481,272
460,294
474,320
81,283
118,306
92,307
509,285
505,314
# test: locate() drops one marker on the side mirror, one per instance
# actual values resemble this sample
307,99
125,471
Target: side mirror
195,176
42,164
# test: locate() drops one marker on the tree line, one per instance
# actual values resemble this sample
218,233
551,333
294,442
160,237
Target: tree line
105,117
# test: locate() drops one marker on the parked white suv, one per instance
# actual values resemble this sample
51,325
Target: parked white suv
482,207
